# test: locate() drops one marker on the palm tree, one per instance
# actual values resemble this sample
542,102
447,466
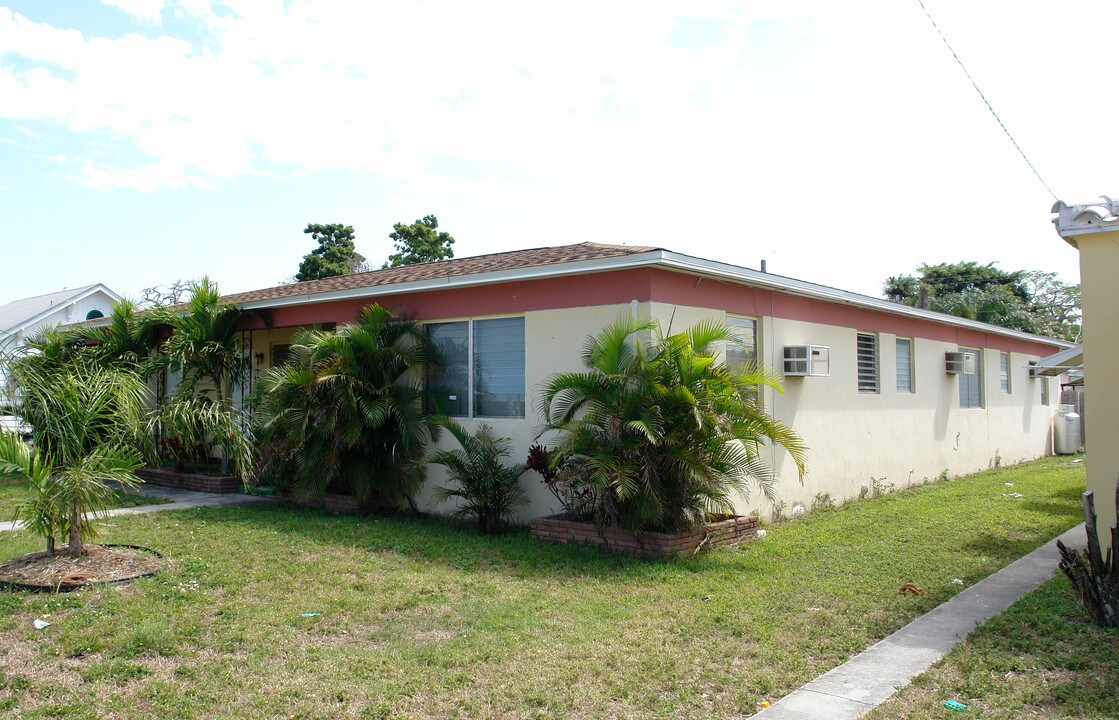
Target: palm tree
662,430
40,512
347,408
488,489
127,339
205,347
200,422
89,425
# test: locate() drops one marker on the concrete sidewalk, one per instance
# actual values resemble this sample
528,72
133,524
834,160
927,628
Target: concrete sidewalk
179,500
874,675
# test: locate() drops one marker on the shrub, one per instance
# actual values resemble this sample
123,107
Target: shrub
489,490
662,431
346,410
563,478
189,425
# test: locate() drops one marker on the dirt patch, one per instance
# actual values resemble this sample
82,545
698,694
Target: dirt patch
98,564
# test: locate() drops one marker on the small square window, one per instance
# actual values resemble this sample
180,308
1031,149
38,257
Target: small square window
745,352
280,354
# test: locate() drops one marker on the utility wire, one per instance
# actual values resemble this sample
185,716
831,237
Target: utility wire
984,98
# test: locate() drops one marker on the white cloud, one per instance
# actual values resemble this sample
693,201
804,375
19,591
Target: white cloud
371,88
149,10
775,127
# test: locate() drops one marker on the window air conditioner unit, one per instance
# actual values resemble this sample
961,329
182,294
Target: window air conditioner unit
959,363
807,360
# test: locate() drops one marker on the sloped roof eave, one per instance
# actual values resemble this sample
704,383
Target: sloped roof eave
655,258
79,294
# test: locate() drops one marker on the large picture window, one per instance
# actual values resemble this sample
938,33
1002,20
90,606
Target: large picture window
479,369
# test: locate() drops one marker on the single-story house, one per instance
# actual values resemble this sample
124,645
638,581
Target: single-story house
883,394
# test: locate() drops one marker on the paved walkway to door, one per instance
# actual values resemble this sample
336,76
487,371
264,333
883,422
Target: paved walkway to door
179,500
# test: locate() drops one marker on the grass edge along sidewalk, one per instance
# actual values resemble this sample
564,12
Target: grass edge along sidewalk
874,675
1041,659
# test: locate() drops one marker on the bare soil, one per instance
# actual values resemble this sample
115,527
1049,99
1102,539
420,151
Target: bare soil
97,564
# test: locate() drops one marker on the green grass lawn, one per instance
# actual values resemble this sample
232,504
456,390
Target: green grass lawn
1040,659
13,491
424,619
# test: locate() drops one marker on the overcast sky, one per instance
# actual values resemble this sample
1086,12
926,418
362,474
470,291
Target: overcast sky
142,141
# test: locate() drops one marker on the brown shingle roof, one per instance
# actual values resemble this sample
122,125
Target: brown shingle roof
514,260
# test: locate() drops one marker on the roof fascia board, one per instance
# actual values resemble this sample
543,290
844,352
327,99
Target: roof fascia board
579,267
668,260
813,291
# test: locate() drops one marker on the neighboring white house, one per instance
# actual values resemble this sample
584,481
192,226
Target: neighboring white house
21,319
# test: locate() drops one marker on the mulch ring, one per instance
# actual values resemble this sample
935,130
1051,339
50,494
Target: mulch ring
98,565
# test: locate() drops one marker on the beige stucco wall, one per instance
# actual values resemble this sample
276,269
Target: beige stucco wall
897,438
1099,259
554,340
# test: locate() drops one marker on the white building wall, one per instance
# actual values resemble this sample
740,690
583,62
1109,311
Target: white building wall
64,314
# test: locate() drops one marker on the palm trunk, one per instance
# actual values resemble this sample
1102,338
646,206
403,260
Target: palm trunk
226,464
75,529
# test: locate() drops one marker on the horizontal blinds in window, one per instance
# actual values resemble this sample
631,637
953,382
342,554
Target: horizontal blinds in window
499,367
868,362
905,365
1004,372
971,384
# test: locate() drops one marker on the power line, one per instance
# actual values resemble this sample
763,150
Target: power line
985,101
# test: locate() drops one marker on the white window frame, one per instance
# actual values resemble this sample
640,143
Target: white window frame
912,376
862,377
471,411
733,323
1004,373
736,322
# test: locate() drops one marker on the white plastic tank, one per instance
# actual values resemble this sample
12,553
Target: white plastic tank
1066,431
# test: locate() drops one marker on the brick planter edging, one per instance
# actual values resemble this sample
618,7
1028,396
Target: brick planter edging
190,481
554,528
